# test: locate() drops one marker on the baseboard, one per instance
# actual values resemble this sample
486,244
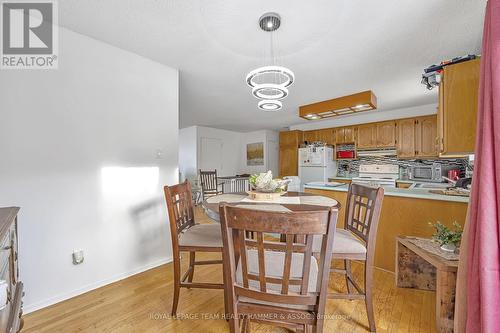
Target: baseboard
65,296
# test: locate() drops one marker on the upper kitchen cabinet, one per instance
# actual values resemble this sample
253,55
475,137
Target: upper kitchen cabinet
386,134
326,135
289,151
311,136
406,138
458,99
426,136
367,136
345,134
417,137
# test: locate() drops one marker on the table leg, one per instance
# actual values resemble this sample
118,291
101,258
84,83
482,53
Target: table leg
445,300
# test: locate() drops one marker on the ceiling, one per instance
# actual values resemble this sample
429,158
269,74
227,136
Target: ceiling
334,47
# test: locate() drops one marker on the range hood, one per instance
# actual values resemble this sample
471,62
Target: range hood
376,152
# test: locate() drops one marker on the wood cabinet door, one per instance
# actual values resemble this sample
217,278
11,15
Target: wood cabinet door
349,134
386,134
426,136
289,161
367,136
326,135
311,136
339,135
459,109
406,138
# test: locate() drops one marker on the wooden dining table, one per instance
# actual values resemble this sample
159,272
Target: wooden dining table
288,202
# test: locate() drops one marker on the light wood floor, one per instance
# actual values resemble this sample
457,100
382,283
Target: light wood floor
141,303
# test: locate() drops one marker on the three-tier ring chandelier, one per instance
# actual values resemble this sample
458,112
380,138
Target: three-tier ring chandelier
270,83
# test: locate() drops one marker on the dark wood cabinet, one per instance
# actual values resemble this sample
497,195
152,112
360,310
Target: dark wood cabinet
10,316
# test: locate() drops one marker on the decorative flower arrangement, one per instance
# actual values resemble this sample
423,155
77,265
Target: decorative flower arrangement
264,182
448,239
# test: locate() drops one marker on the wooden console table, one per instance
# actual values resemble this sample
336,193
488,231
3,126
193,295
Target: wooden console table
420,269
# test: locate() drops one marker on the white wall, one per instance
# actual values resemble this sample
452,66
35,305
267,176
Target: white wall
233,160
265,137
230,161
368,117
188,152
78,149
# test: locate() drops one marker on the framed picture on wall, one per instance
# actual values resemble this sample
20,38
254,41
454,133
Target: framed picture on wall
255,153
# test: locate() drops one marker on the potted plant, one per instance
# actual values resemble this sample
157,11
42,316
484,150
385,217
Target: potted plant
448,239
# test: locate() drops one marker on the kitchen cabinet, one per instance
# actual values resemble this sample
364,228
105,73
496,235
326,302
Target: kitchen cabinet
345,134
386,134
417,137
289,152
406,138
326,135
426,136
311,136
367,136
458,100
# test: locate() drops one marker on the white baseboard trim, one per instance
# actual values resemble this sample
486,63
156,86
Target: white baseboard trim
65,296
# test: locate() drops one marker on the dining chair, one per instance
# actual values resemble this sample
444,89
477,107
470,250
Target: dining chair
356,241
189,237
237,185
273,282
209,183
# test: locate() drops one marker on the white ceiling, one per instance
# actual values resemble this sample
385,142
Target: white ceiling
334,47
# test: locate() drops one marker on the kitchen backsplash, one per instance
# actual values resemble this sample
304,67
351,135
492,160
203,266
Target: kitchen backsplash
350,168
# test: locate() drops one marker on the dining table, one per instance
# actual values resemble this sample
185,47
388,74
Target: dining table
288,202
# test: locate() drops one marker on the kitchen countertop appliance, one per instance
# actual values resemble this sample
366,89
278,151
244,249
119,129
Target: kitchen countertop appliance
431,173
316,164
377,175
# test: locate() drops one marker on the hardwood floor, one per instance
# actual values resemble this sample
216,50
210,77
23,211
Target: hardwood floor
141,303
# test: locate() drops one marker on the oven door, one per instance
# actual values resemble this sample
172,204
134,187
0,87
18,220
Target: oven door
422,173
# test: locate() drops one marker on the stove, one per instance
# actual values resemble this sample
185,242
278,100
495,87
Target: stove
377,175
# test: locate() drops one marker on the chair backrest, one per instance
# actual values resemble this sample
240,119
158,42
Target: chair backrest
180,209
208,180
236,185
363,211
292,287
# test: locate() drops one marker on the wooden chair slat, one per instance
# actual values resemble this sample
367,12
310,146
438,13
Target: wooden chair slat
288,264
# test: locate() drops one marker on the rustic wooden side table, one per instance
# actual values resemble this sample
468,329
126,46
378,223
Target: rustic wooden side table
421,269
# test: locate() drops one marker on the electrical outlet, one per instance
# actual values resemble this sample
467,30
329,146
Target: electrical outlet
77,257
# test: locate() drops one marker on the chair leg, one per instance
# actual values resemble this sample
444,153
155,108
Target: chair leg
177,284
348,276
368,296
192,256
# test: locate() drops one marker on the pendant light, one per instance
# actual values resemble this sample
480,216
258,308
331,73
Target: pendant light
270,83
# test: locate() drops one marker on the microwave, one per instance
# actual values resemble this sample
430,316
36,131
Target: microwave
431,173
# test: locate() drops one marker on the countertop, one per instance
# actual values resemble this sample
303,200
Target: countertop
397,192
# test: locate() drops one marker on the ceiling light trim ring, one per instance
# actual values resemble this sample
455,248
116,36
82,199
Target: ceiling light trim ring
258,91
270,105
287,74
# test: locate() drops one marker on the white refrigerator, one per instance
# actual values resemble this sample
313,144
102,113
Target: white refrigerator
316,164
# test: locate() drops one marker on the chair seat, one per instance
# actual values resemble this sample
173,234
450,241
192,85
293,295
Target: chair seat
344,242
274,264
202,235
